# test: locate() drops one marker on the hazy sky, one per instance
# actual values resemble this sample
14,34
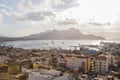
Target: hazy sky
24,17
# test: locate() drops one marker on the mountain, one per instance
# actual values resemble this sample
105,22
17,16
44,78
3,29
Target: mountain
3,39
70,34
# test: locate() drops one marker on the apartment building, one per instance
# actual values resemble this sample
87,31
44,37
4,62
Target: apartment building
79,62
103,63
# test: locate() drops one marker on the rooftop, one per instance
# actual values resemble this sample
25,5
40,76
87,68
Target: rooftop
77,56
51,74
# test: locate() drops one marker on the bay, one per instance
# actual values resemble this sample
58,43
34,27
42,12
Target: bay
50,44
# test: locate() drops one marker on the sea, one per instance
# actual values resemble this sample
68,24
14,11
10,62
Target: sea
53,44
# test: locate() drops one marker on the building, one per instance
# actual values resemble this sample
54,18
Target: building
36,65
83,77
104,78
81,63
103,63
39,65
3,59
21,77
92,64
3,63
49,75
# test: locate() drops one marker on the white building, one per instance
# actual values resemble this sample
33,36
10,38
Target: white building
49,75
75,61
103,63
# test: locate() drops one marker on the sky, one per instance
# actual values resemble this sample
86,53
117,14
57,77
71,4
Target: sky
25,17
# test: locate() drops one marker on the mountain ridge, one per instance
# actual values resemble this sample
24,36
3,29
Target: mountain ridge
71,34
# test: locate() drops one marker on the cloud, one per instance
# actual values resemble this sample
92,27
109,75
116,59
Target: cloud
64,4
68,22
5,7
34,16
99,24
26,5
1,18
43,10
4,11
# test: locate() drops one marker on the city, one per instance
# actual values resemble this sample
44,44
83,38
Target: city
76,64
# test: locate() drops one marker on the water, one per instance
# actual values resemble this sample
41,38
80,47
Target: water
49,44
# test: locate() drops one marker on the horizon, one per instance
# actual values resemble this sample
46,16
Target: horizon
25,17
57,30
